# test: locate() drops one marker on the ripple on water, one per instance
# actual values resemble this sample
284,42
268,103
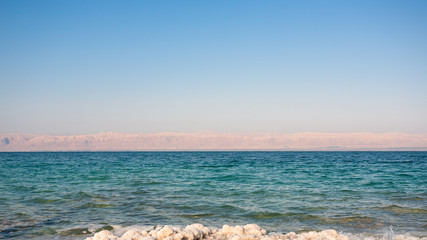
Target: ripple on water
78,195
75,232
45,200
96,205
268,215
195,216
399,209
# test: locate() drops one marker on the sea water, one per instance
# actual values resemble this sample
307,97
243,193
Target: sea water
71,195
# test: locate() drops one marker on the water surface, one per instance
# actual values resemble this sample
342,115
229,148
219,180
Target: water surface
69,195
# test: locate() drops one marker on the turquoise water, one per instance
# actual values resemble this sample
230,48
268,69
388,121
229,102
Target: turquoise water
70,195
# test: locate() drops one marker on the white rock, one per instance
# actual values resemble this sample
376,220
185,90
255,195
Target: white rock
247,232
178,235
199,230
242,237
153,233
133,235
197,233
226,230
253,229
166,231
188,235
148,238
103,235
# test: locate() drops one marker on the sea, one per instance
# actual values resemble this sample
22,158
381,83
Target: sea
72,195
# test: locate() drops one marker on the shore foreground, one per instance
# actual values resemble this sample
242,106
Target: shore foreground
247,232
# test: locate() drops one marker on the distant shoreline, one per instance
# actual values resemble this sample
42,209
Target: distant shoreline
216,150
212,141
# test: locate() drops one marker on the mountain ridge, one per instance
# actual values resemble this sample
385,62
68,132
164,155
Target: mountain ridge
114,141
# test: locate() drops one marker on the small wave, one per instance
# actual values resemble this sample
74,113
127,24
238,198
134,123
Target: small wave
107,227
45,201
417,198
75,232
97,178
388,235
268,215
78,196
225,178
81,231
96,205
399,209
201,215
355,221
350,220
13,228
45,232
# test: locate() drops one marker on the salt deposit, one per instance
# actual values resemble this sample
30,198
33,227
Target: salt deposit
247,232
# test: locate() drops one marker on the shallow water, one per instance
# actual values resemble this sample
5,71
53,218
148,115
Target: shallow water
70,195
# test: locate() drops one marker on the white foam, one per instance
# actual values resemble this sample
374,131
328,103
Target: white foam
364,236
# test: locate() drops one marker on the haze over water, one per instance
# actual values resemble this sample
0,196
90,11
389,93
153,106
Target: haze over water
68,195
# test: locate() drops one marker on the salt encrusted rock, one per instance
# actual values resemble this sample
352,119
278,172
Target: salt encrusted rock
226,230
103,235
166,231
291,235
200,232
206,231
178,235
188,235
153,233
214,230
253,229
312,235
242,237
136,235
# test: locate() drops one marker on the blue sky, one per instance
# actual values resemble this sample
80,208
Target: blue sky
73,67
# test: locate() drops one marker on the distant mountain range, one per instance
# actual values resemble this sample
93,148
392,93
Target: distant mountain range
109,141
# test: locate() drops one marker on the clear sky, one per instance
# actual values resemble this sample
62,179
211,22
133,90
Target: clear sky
73,67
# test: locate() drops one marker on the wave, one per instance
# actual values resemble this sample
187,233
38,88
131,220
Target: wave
247,232
399,209
96,205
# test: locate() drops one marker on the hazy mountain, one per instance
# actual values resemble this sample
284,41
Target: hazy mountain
213,141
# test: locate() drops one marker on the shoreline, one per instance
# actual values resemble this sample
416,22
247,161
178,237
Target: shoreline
213,141
239,232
